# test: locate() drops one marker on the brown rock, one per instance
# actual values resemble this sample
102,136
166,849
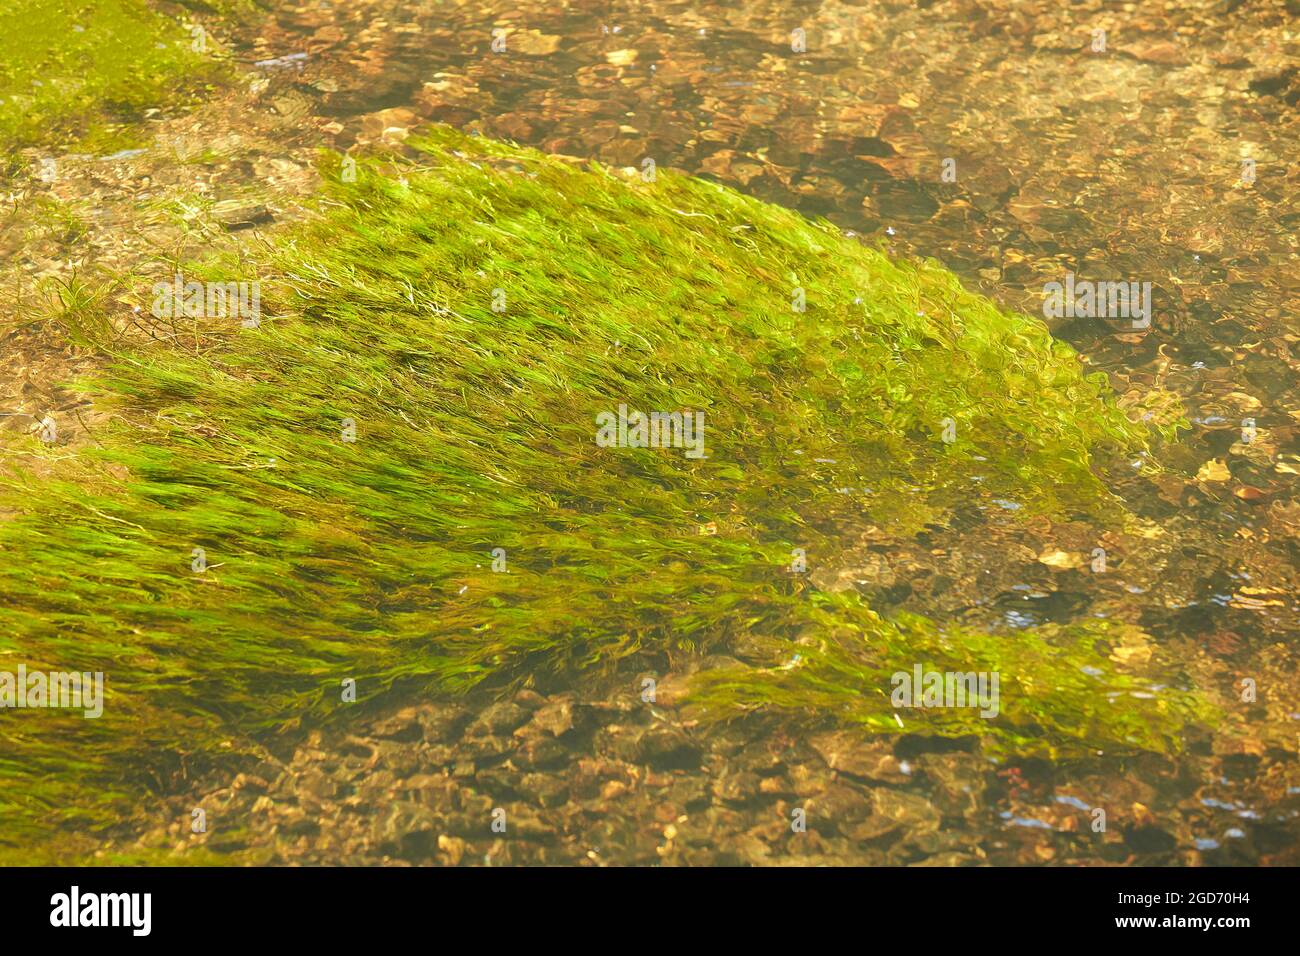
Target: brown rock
846,751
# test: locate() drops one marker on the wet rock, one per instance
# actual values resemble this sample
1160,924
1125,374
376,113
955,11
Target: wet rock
748,848
407,828
1163,53
313,786
442,723
671,691
613,789
776,786
912,811
499,783
402,726
931,842
546,790
836,807
249,783
668,747
529,699
541,752
452,849
731,742
763,757
959,782
436,757
262,805
555,718
377,783
690,792
619,741
1149,839
487,748
402,759
872,828
736,787
846,751
431,789
297,822
808,779
499,718
232,217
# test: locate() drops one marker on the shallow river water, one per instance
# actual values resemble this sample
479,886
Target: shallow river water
1016,144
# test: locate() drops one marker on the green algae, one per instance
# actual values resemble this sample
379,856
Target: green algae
1059,694
86,70
330,559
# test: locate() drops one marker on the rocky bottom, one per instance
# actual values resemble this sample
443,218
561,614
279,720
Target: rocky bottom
610,779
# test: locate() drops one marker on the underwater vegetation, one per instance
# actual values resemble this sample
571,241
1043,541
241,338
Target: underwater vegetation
91,66
393,477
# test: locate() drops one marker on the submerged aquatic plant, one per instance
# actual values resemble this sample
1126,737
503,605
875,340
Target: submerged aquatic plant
72,69
394,475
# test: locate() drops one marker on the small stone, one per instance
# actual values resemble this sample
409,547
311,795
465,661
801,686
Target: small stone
908,809
555,718
838,804
667,747
442,723
529,699
872,828
809,779
233,218
541,752
316,787
403,726
736,787
613,789
295,822
846,751
1149,839
250,783
1163,53
453,848
499,718
407,827
546,790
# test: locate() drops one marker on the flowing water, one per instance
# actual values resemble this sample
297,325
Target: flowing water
1016,145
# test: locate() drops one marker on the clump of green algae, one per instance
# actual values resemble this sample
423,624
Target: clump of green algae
85,70
475,430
